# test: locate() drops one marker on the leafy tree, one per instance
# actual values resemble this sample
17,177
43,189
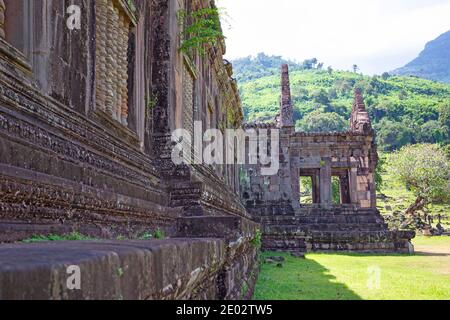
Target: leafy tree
444,120
385,75
393,135
425,170
320,121
431,132
320,97
379,171
355,68
309,64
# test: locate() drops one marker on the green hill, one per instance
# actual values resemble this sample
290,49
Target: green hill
432,63
403,109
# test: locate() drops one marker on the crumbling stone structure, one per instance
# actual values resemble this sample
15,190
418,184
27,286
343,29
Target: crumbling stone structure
86,116
353,224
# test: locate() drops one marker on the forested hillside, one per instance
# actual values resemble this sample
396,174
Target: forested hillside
433,62
403,109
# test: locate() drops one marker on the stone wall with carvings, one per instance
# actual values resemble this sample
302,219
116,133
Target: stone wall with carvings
86,117
86,120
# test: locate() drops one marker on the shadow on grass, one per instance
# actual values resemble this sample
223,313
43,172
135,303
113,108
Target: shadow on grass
300,279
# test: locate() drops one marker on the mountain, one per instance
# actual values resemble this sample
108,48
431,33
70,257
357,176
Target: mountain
433,62
403,110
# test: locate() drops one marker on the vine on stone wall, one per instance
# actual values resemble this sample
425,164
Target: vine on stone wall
199,28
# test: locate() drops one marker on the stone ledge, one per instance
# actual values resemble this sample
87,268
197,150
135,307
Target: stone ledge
169,269
230,228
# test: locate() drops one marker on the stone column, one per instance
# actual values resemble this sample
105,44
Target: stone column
101,53
110,61
353,185
325,185
2,19
345,189
124,35
286,110
315,188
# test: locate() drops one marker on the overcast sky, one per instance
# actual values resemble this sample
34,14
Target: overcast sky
377,35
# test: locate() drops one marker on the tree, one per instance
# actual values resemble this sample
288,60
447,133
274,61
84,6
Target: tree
425,170
385,75
320,121
393,135
320,97
379,170
444,119
330,70
309,64
355,68
431,132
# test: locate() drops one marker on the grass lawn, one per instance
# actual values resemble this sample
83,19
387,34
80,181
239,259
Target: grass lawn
425,275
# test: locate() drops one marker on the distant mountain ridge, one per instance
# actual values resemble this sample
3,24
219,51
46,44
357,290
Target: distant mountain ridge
433,63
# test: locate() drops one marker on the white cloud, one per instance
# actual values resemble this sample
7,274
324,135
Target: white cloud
378,35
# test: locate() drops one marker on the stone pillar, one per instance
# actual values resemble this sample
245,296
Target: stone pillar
286,111
345,189
124,36
112,34
2,19
101,53
110,61
315,188
325,185
353,185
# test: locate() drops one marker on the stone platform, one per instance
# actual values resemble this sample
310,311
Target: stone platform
157,269
334,229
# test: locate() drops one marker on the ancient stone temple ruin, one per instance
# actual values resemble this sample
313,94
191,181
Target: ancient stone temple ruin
90,93
87,110
352,224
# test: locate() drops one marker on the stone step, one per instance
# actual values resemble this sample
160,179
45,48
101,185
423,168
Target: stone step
369,247
357,219
308,228
345,227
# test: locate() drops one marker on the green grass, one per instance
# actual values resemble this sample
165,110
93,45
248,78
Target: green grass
74,236
425,275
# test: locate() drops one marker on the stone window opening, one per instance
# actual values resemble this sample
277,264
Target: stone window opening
16,24
113,26
309,187
340,187
336,190
2,19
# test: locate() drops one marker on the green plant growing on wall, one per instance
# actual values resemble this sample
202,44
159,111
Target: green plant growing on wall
199,28
159,234
257,240
152,101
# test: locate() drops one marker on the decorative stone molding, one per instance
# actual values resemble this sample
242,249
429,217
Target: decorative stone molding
2,18
112,33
